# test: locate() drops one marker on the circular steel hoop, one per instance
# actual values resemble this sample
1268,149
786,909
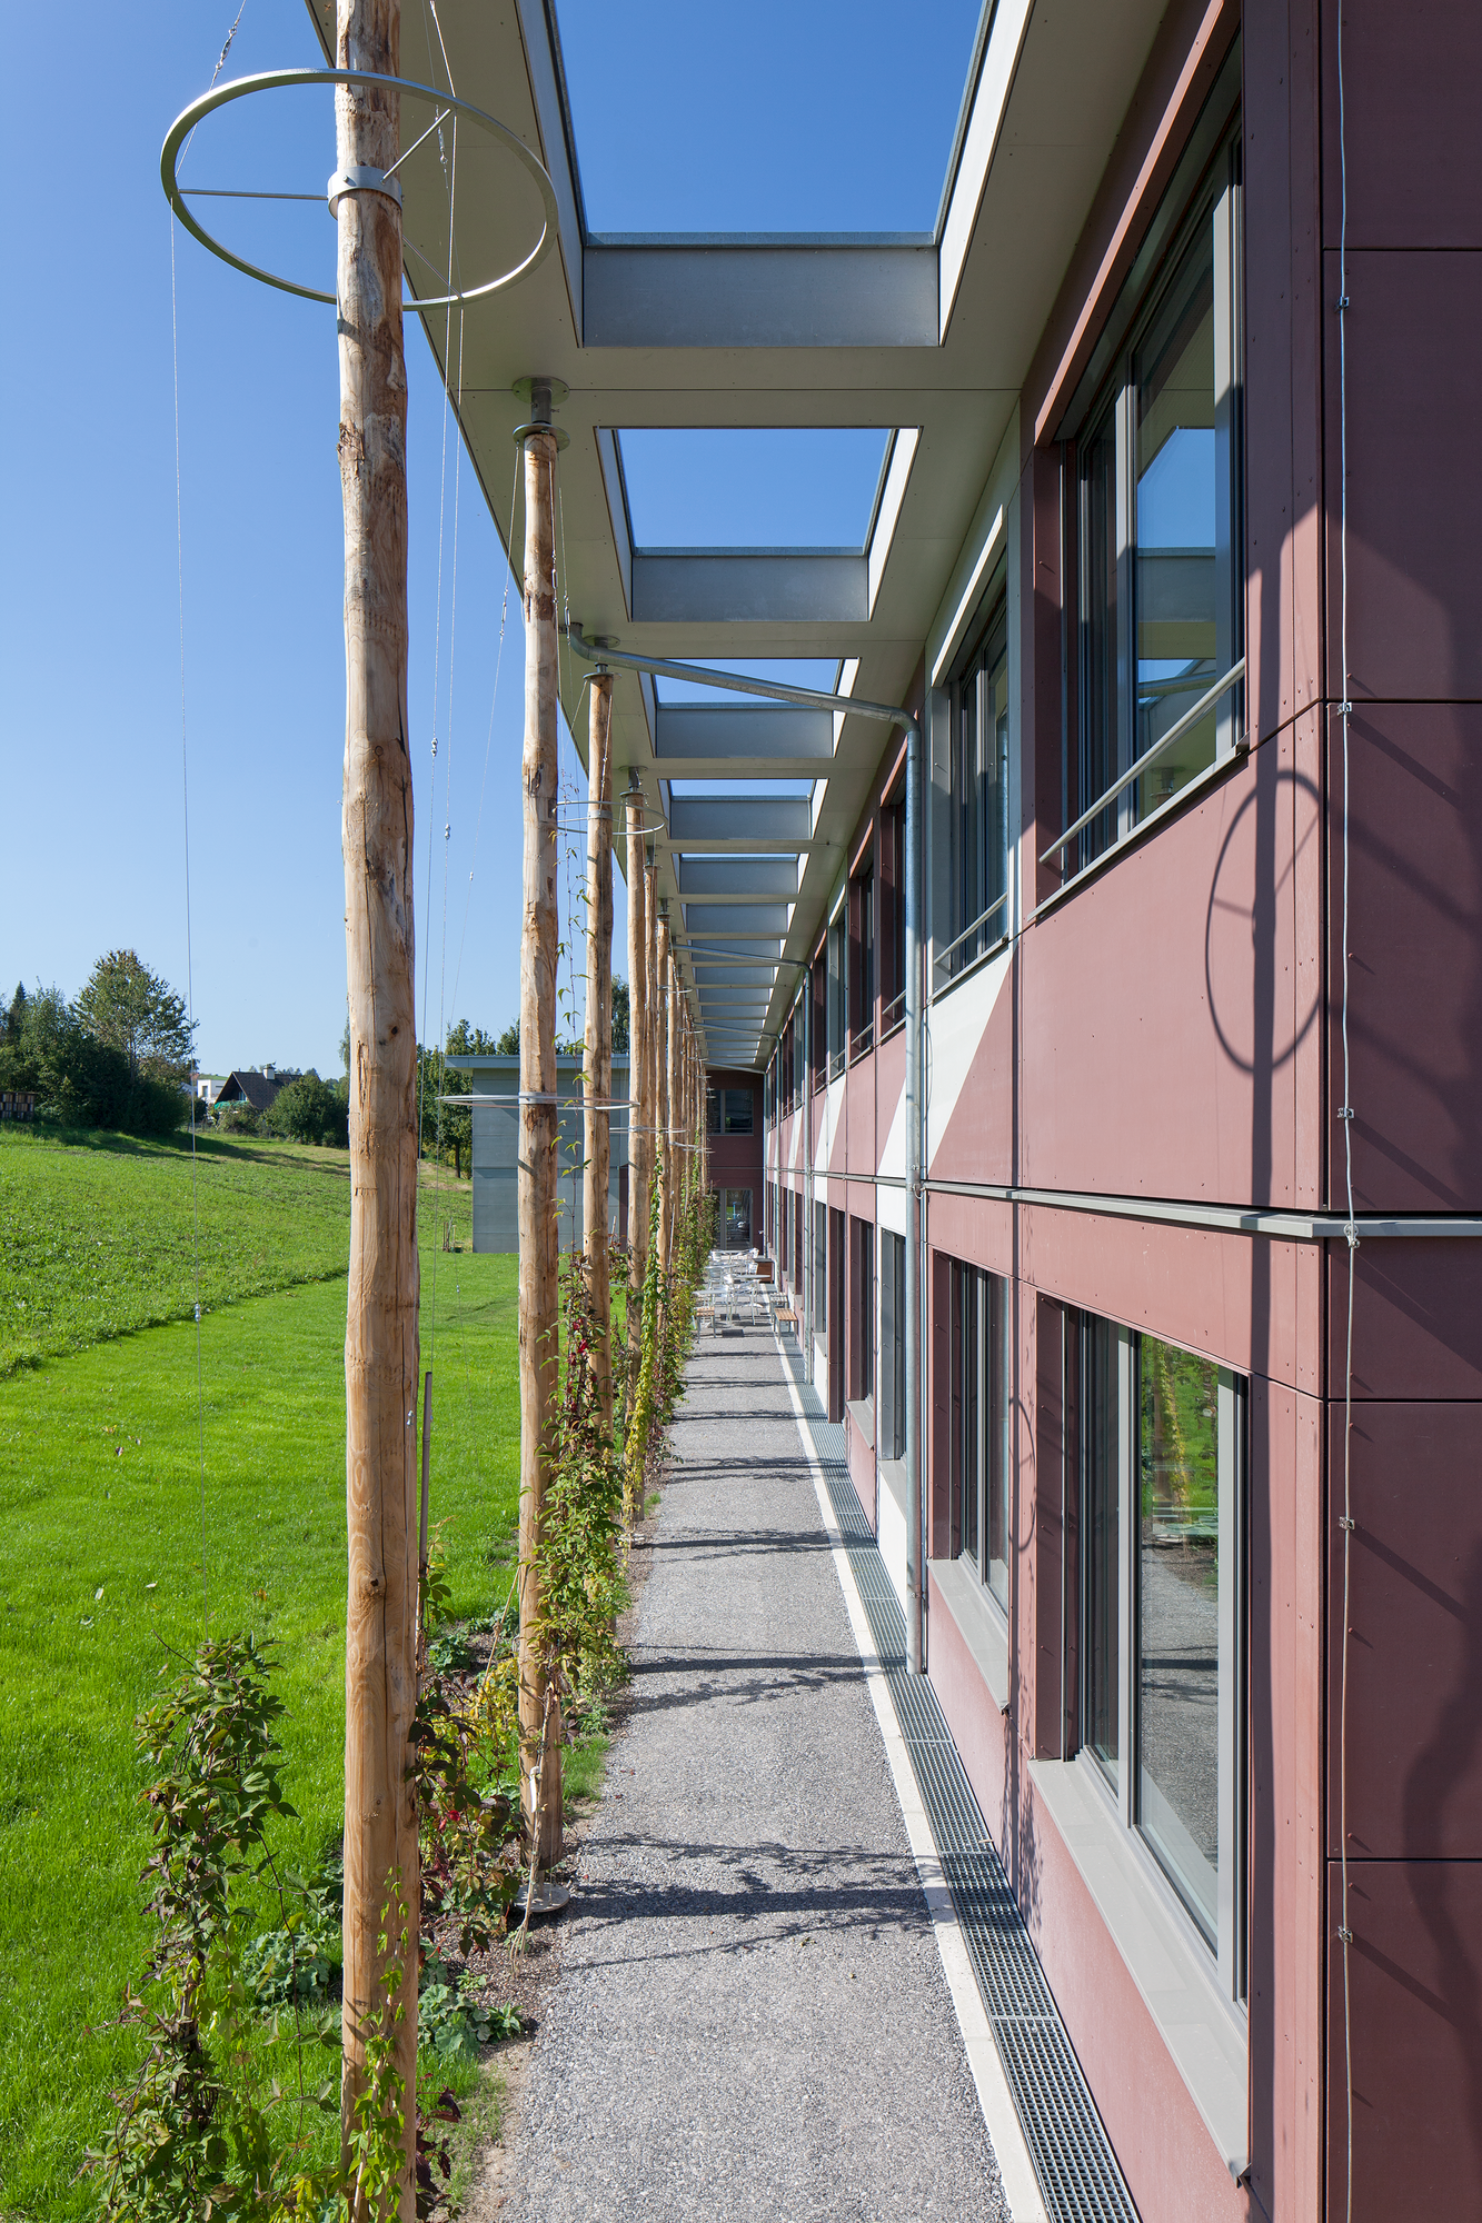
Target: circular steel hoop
271,81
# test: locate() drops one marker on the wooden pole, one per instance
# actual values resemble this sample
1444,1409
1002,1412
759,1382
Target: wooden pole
598,1045
639,1109
661,1092
540,1716
381,1347
676,1105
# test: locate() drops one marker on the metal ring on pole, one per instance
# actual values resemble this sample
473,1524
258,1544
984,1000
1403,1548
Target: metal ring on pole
275,80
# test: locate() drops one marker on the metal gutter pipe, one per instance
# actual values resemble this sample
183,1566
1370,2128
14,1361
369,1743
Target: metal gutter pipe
811,698
915,1122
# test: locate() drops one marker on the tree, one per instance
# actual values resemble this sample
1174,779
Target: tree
136,1012
83,1080
508,1044
15,1018
309,1110
620,1016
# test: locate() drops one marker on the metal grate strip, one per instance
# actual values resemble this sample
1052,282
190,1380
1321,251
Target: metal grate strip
1077,2170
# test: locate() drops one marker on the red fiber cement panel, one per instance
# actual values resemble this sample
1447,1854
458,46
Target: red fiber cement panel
1160,999
979,1730
1411,78
1415,480
858,1155
1415,966
978,1230
1415,1622
1251,1304
1415,1973
1417,1319
890,1079
978,1144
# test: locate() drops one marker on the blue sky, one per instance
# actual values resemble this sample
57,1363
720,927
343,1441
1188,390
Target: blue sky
90,732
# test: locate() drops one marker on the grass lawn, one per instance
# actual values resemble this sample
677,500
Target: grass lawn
100,1230
112,1538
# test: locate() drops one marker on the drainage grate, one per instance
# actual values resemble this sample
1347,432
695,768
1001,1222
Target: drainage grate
1077,2170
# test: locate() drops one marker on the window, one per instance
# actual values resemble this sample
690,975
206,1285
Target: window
712,1111
820,1269
1163,1613
980,786
892,902
980,1427
818,1019
862,962
1161,536
739,1111
736,1219
862,1311
838,988
890,1421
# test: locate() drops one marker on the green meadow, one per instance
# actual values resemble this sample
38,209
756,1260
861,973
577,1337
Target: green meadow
139,1496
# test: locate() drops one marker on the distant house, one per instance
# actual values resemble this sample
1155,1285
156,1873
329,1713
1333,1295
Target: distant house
206,1086
256,1090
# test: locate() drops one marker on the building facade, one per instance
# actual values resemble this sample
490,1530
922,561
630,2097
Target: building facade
1202,1532
1173,555
733,1125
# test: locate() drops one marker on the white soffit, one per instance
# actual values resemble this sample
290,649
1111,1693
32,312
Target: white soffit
995,83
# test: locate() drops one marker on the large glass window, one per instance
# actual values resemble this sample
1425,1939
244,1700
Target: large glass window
838,990
892,915
862,962
736,1205
980,1432
890,1428
1159,519
862,1310
980,785
820,1269
1162,1556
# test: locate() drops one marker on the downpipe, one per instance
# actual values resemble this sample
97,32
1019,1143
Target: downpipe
915,1153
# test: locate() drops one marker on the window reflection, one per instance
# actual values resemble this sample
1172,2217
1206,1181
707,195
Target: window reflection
1178,1619
1099,1420
1173,377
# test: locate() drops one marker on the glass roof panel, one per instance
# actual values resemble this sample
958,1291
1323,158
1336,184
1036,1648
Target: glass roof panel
772,487
838,116
788,671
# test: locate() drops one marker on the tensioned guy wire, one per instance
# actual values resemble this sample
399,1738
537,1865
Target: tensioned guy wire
1345,1114
190,1011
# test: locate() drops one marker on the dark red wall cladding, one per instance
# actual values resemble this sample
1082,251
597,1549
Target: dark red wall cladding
1415,1980
1415,1622
1170,1031
1415,963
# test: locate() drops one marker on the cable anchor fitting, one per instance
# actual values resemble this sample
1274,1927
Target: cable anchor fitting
1345,1522
1346,1936
1346,1111
1351,1234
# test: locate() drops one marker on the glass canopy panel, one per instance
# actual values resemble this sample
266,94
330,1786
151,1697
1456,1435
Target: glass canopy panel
773,120
752,487
786,671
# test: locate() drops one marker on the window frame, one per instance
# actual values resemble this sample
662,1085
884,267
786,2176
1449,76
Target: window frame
1216,201
980,1455
1119,1785
979,806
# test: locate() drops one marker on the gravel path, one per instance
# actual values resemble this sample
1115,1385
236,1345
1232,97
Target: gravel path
751,2019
